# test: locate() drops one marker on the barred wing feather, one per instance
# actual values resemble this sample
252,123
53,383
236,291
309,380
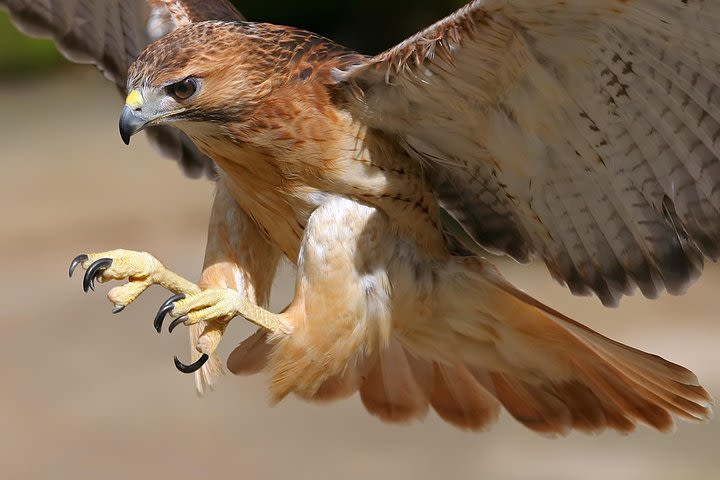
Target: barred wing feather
582,132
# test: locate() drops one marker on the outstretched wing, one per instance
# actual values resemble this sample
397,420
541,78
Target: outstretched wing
110,34
585,132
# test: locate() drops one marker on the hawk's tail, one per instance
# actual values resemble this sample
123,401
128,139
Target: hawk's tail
549,372
599,383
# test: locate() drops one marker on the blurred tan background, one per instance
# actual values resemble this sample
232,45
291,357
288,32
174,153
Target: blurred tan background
90,395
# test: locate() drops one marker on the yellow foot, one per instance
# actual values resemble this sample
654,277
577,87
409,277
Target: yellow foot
140,268
215,307
190,305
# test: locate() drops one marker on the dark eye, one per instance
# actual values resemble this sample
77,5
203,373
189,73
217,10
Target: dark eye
183,89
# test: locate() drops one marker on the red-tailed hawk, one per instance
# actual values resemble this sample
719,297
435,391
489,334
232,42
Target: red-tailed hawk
584,133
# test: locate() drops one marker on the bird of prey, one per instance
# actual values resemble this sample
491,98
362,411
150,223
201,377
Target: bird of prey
582,133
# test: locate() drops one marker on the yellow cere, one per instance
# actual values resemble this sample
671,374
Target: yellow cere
134,99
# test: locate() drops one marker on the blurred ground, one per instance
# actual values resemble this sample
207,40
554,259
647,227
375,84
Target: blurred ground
90,395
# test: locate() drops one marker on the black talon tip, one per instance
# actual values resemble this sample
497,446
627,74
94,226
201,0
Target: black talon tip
193,367
177,322
118,308
160,316
75,262
166,307
94,271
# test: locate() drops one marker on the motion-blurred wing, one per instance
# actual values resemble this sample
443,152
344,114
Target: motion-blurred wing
585,132
110,34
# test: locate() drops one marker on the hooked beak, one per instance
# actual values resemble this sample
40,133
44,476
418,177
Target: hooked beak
132,119
131,122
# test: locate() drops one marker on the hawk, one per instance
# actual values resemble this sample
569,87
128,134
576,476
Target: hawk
583,133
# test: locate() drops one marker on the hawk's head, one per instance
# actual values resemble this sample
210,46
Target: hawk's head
219,72
206,72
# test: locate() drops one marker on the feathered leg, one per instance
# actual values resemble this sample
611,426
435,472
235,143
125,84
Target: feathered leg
340,315
237,257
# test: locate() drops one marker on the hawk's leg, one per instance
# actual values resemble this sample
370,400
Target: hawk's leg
237,275
240,261
216,307
141,270
190,304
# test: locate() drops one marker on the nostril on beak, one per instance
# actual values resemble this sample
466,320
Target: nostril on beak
130,123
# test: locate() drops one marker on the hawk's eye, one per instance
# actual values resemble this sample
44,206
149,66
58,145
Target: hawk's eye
183,89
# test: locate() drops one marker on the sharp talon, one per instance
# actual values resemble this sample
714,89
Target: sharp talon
177,322
160,316
173,299
94,271
166,307
75,262
118,308
193,367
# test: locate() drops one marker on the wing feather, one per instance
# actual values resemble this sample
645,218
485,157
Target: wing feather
110,34
582,132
